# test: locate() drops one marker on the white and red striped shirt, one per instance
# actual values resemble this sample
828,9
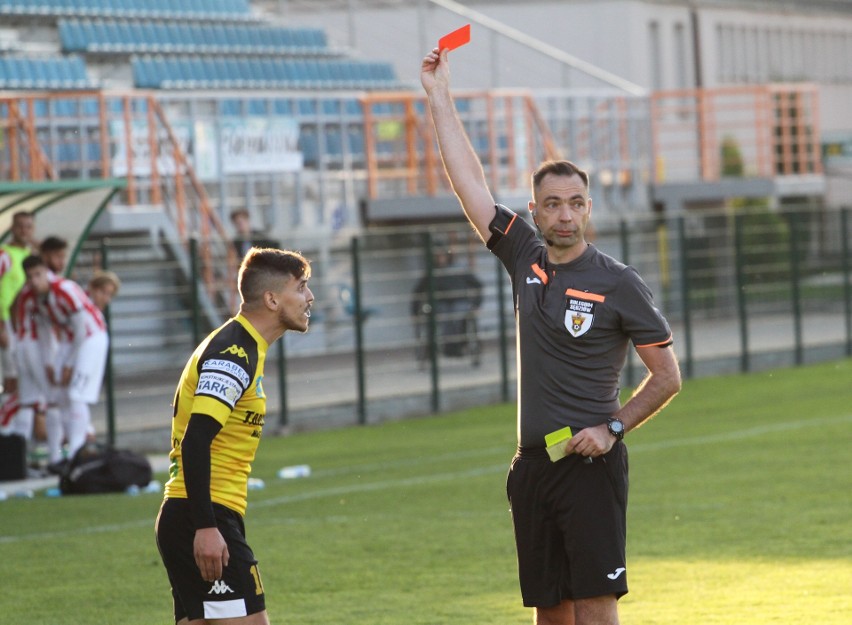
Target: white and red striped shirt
64,299
24,314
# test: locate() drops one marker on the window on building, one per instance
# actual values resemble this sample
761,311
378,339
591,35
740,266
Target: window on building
655,56
682,57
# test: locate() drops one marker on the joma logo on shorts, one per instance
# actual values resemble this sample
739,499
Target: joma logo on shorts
237,351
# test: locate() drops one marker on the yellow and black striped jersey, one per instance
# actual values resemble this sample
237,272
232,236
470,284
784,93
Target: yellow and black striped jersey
223,379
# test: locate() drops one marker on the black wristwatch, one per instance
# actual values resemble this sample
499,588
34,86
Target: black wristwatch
615,427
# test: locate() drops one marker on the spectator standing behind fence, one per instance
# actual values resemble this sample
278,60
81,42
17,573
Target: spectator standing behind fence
457,294
576,310
12,254
66,312
245,237
219,410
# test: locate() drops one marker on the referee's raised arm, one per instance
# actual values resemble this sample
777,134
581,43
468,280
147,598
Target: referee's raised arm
460,160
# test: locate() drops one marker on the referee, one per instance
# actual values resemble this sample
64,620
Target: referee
576,310
219,409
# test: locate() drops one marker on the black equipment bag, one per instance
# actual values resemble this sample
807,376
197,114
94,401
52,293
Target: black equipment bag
97,468
13,457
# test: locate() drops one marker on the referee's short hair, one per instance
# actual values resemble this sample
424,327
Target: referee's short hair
262,267
558,168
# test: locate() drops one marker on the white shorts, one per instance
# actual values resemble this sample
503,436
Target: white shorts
89,369
7,356
33,385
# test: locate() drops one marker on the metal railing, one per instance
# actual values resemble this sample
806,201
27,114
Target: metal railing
52,136
744,290
759,131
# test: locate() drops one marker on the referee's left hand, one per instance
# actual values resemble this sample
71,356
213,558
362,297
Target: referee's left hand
591,442
211,553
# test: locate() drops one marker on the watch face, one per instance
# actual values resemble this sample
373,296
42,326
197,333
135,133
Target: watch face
616,427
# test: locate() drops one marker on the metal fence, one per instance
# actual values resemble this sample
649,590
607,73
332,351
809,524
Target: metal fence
414,321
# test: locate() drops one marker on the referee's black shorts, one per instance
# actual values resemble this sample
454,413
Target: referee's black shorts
238,593
570,525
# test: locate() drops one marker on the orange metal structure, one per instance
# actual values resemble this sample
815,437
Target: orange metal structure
506,128
97,129
768,131
762,131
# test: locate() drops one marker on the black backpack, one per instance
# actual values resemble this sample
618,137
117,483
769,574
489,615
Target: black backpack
97,468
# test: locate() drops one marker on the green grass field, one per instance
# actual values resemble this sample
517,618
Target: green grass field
740,508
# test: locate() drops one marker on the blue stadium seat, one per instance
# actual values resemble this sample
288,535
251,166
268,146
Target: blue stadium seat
355,134
257,107
230,107
307,107
282,107
309,146
71,36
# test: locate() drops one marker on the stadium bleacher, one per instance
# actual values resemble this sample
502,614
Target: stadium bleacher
163,9
195,44
47,73
219,72
198,45
156,37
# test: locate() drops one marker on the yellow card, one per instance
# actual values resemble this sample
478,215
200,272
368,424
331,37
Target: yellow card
555,442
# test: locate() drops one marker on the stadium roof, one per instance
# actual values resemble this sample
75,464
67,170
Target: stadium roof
63,208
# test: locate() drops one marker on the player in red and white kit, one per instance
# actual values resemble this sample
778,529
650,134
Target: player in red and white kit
80,357
31,356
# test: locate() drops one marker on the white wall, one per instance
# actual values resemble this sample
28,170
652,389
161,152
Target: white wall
738,46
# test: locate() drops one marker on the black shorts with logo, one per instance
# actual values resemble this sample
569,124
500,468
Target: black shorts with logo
238,593
570,525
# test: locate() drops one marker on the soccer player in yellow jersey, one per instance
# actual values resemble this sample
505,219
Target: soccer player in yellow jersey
219,408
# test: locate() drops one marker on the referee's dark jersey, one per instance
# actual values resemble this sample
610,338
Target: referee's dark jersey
223,379
574,322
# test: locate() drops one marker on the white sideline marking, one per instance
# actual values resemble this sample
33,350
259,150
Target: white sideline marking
737,435
383,485
734,435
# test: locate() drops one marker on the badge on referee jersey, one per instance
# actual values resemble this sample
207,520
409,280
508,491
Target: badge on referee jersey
580,311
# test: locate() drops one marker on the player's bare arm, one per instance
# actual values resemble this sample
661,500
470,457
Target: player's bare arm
460,160
655,391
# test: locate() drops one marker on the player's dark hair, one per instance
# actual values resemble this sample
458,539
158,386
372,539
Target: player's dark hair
32,261
558,168
53,244
263,266
240,212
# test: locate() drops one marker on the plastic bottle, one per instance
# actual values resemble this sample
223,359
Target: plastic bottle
53,492
24,493
153,487
132,490
295,471
255,483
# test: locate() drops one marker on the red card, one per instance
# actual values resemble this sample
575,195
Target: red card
455,39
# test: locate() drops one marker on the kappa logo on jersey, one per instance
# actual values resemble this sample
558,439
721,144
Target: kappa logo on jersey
237,351
220,588
258,387
533,280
